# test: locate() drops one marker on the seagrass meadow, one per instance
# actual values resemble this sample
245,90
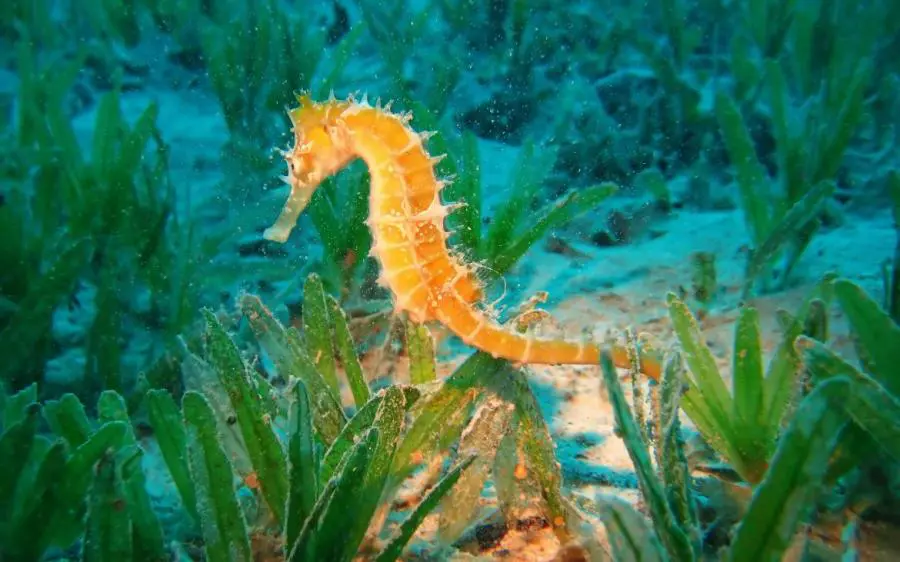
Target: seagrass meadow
426,280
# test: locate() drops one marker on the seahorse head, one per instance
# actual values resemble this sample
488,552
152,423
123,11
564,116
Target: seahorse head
320,147
320,150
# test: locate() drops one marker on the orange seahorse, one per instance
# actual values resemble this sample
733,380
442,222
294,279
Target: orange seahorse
406,218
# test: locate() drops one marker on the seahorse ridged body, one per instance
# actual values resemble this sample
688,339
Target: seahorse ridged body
406,218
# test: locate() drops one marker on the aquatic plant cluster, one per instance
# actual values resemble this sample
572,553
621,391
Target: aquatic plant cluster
182,380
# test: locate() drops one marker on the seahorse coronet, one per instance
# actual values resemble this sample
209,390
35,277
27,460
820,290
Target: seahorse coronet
428,280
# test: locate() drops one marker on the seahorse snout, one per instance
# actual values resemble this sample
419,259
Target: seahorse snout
304,178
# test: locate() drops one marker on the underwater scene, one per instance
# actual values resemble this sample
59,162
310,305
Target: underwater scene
527,280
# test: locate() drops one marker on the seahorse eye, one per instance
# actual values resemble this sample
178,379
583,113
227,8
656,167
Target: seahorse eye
301,165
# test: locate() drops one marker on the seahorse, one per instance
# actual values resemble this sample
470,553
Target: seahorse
428,281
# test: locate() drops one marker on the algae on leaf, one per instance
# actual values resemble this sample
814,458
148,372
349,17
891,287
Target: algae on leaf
533,439
346,349
263,447
878,336
165,418
630,537
357,474
672,464
16,406
55,491
409,526
147,534
794,477
440,416
317,331
108,537
389,421
64,523
873,402
289,352
480,440
420,349
322,537
869,404
303,465
743,427
674,534
221,520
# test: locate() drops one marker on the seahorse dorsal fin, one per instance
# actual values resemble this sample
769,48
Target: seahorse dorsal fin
304,98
